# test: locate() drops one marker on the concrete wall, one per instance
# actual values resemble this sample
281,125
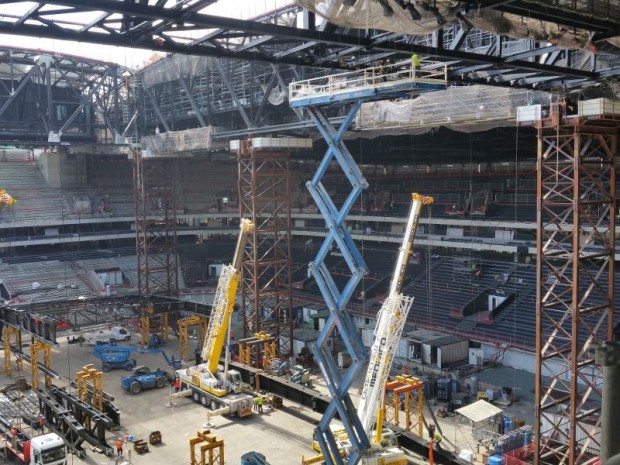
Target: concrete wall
63,170
519,360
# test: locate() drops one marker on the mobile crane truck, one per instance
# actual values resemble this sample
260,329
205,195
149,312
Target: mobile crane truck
207,383
390,323
46,449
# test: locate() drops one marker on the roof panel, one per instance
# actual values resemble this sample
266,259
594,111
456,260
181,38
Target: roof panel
479,411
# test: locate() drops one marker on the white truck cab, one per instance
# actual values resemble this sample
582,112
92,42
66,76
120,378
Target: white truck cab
104,336
47,449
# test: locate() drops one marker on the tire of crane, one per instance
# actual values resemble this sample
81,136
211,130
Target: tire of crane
204,401
106,367
214,404
129,366
160,383
196,396
135,387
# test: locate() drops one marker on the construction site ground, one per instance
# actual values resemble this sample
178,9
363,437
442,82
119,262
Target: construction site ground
282,435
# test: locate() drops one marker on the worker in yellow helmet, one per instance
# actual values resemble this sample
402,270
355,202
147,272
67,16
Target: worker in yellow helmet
415,61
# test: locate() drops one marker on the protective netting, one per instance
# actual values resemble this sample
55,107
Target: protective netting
467,109
427,16
173,67
172,143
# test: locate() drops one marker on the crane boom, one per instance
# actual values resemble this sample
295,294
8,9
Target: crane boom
390,323
224,302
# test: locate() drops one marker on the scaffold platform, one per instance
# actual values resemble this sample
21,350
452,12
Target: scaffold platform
384,81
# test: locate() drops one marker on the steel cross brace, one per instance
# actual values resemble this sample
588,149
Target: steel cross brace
335,299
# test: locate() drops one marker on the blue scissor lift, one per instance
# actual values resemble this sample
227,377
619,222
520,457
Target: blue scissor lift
354,87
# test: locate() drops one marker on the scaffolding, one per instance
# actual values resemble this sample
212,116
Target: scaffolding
576,191
264,197
156,225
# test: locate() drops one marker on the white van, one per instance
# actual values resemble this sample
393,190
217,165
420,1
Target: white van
105,336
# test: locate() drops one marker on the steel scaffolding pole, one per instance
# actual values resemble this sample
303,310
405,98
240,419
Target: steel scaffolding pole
156,225
264,197
576,212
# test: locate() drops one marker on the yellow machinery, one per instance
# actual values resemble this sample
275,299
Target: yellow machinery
153,324
184,325
268,356
224,302
7,333
35,348
405,385
205,379
206,443
5,199
89,374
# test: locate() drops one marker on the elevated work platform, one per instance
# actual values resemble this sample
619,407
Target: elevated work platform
385,81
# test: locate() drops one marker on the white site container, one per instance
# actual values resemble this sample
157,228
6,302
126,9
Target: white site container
599,107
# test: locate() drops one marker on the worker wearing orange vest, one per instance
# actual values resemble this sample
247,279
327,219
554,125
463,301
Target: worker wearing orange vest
119,446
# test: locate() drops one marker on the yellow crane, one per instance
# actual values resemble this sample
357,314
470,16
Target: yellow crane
206,382
224,302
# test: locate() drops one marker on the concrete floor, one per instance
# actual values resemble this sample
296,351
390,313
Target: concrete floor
283,436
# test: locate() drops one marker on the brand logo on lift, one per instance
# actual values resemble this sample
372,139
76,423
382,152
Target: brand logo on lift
375,369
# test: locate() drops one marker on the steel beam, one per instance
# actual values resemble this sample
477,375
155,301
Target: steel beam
160,115
233,94
192,102
24,81
252,29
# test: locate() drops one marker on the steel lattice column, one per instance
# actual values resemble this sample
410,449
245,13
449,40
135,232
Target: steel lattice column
575,284
264,197
156,225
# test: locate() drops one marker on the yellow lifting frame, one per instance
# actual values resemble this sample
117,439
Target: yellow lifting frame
90,374
7,334
36,348
184,325
205,442
145,325
404,385
163,327
269,349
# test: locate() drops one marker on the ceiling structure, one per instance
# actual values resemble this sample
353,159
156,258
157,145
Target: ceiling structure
235,72
183,27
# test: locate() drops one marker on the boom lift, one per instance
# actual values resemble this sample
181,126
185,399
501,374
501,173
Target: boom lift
390,323
206,382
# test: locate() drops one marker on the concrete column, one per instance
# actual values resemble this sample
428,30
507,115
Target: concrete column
607,355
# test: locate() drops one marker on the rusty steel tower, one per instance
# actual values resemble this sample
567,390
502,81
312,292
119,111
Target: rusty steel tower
264,197
156,225
576,213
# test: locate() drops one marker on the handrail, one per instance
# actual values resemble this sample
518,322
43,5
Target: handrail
374,77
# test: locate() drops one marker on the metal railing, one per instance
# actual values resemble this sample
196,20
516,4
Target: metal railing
407,71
